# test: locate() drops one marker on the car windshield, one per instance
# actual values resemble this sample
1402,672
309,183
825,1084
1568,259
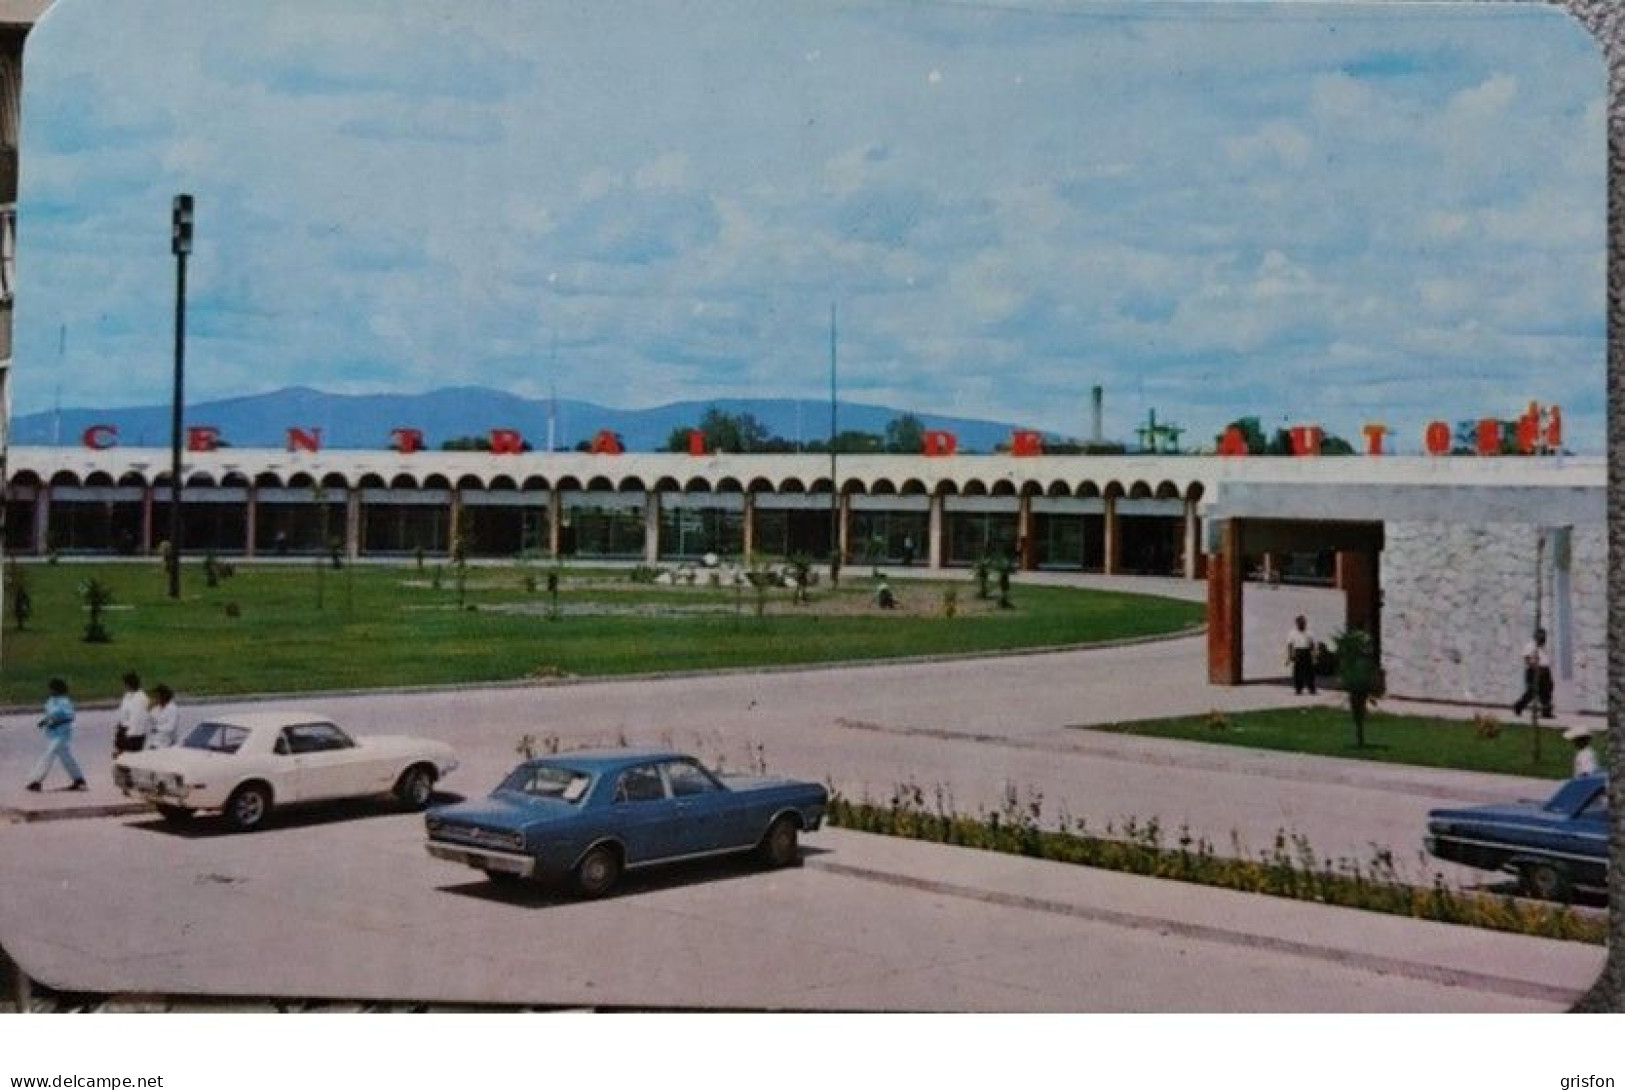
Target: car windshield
548,782
216,737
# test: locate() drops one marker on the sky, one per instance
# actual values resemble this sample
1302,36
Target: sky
1308,213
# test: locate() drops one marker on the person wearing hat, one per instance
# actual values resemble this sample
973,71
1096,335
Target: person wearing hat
1585,758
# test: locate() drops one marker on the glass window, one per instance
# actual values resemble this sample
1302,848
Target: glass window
688,778
640,784
549,782
217,737
315,738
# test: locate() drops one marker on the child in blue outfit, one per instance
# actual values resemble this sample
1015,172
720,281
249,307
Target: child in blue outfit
57,723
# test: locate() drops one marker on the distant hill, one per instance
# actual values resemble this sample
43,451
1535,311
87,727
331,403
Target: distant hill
363,421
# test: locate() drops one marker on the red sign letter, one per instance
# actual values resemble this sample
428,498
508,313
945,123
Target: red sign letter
100,436
1305,440
1025,443
1374,434
1554,428
605,442
1487,436
696,442
1436,437
202,437
1233,442
300,439
407,440
938,444
506,441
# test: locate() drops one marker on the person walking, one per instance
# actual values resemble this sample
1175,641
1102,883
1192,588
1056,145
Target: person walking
1300,654
1537,676
57,723
164,720
130,730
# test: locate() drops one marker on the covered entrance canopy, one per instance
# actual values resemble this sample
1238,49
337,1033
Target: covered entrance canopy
1358,520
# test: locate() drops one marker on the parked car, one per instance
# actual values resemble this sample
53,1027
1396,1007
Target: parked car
244,765
1554,847
590,815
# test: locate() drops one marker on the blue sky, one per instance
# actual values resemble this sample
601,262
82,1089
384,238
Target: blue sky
1308,213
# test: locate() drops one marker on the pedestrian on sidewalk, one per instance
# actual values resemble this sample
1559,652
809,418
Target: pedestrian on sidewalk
130,730
164,720
1585,758
1537,676
1300,655
57,723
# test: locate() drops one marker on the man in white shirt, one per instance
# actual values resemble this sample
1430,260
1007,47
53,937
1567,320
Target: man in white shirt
164,722
130,729
1300,652
1537,676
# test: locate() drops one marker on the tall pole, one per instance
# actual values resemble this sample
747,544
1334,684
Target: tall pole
181,245
834,481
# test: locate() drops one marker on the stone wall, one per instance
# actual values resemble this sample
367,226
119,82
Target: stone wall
1459,606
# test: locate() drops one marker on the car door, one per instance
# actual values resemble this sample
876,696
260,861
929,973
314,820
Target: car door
703,820
325,762
644,814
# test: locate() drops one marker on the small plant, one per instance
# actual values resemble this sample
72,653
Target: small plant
22,603
233,610
981,571
437,575
97,597
335,552
1004,566
950,601
211,571
529,582
1486,726
1217,721
417,556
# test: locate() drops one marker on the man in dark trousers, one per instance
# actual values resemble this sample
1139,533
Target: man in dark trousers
1300,652
1537,676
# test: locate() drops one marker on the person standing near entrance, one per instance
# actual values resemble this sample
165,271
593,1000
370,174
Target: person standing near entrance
130,731
1537,676
1300,654
57,723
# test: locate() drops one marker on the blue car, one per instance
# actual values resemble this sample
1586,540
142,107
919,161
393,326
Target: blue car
590,815
1554,847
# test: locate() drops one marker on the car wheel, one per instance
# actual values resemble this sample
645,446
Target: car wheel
1548,881
415,787
175,815
597,872
781,846
248,807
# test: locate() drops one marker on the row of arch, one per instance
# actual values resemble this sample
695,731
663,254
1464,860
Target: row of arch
909,486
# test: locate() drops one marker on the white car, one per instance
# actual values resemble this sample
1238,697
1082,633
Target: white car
242,765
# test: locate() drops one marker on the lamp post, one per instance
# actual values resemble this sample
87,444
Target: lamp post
181,246
834,481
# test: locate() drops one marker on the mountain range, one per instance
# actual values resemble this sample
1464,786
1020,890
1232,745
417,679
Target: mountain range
364,421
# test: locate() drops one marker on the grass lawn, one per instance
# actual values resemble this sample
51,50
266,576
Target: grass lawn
1397,739
384,626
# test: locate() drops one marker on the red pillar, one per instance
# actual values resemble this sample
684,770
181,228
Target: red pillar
1224,580
1360,574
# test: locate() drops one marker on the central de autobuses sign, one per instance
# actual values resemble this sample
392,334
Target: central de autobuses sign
1536,431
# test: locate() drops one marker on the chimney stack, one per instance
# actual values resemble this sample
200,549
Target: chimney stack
1097,397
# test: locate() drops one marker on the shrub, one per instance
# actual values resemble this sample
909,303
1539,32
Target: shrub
97,597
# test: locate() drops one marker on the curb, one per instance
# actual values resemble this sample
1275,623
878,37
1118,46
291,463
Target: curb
12,815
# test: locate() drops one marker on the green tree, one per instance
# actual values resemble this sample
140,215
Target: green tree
732,433
905,435
1358,672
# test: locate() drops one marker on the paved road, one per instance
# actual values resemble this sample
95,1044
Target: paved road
347,905
975,730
